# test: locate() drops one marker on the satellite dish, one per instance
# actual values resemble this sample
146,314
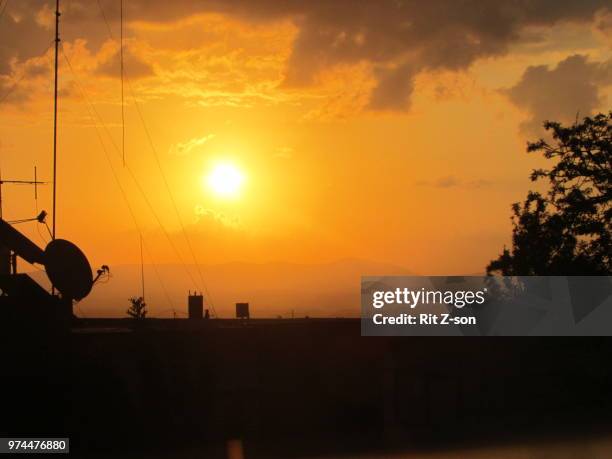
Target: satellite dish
68,269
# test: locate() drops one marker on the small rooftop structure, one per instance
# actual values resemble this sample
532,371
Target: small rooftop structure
242,311
195,305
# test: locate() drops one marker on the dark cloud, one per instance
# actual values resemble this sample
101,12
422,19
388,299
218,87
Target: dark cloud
560,93
451,181
134,66
21,36
40,68
13,93
399,38
604,24
403,38
392,87
26,29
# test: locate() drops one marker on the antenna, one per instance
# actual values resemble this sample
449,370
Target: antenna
57,41
142,270
34,182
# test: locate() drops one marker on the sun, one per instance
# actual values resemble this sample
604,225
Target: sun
225,180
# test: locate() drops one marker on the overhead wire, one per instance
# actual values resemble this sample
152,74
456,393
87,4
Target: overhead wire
22,220
158,162
83,95
172,200
90,111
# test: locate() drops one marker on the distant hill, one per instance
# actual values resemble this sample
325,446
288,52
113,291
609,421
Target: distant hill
272,289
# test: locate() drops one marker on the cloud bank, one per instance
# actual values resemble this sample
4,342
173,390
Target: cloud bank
398,38
572,88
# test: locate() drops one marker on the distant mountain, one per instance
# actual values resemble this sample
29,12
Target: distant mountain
272,289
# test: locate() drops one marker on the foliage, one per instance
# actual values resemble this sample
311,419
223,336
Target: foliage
137,309
566,231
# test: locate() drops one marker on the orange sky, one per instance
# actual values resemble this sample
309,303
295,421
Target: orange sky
422,178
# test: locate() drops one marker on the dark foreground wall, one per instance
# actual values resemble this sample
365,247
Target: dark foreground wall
291,388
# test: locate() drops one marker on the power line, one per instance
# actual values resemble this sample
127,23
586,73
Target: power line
90,109
154,150
122,99
110,32
12,88
178,216
157,275
131,173
142,279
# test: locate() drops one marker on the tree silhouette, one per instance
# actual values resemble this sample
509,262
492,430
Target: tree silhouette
566,231
137,309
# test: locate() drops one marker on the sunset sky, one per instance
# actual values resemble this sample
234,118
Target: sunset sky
390,131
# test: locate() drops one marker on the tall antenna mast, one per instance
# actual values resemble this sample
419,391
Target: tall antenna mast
122,100
57,41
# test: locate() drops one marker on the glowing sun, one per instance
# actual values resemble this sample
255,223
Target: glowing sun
225,180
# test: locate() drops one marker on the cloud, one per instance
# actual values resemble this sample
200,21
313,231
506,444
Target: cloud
573,87
399,39
19,87
134,66
37,67
451,181
211,218
603,25
12,92
21,36
393,87
26,29
187,147
446,182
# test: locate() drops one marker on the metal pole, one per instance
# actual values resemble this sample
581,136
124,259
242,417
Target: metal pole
0,195
57,41
142,270
122,100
